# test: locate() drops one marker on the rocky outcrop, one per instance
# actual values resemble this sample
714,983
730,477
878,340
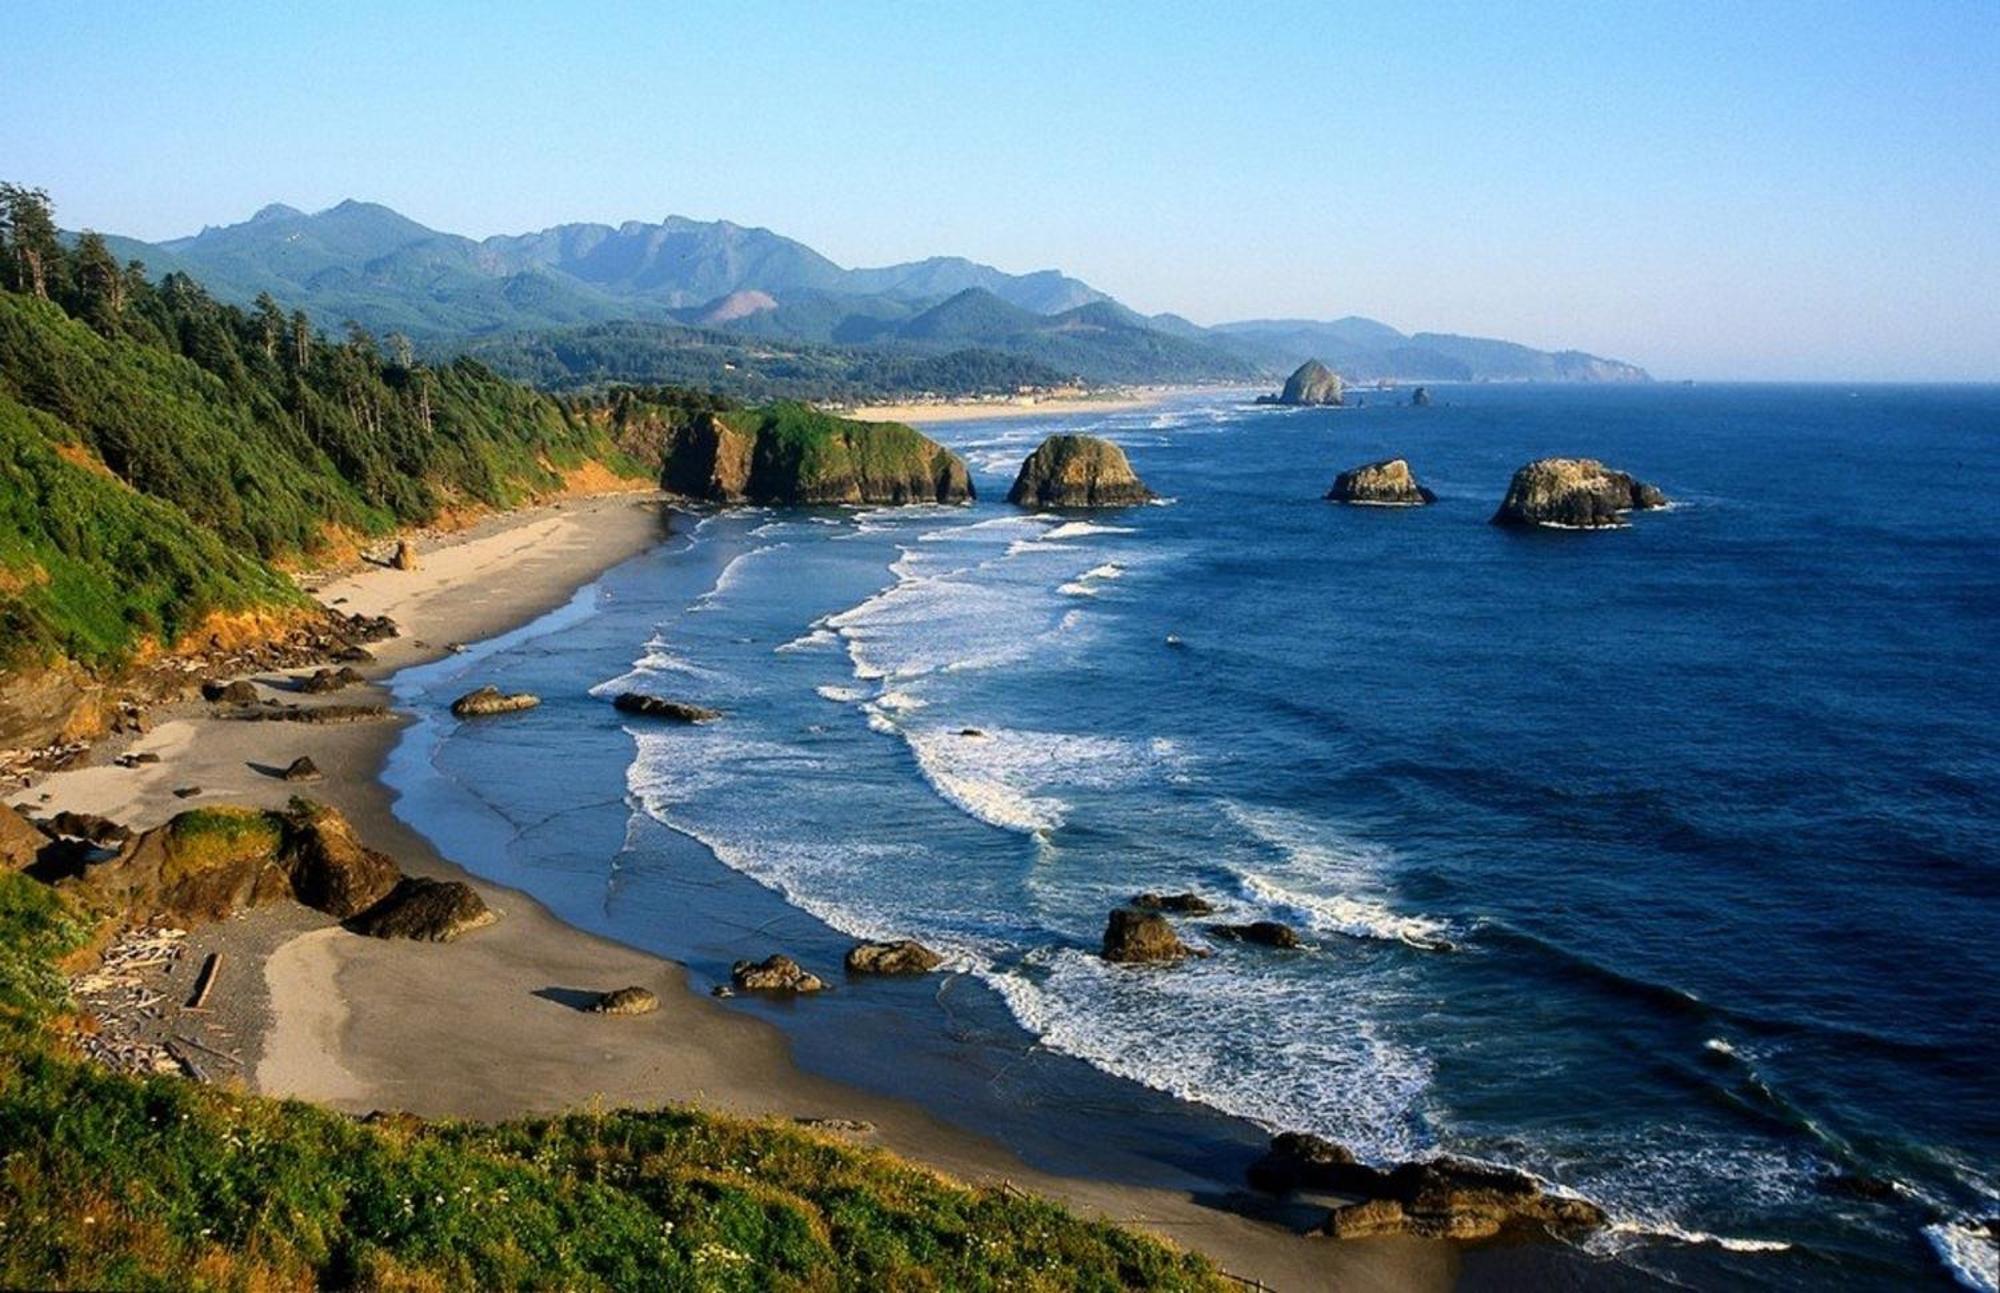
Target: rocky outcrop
1184,904
1420,397
491,700
1311,383
638,702
778,973
317,715
300,769
322,681
88,827
625,1001
406,555
331,870
793,454
1380,484
1574,494
1141,937
1437,1198
905,956
431,911
21,841
1077,471
239,692
1264,933
210,863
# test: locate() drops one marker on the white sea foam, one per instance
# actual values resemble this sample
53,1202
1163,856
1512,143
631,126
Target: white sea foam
842,695
818,638
1680,1234
732,575
1083,529
1077,588
1968,1251
1310,860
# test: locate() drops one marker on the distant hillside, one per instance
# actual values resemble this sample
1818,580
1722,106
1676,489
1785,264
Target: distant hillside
1365,350
364,262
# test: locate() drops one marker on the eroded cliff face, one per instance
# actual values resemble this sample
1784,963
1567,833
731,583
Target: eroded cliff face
1078,471
1574,493
790,454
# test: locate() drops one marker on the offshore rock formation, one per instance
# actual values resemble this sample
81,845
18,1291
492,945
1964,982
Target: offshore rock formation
1077,471
778,973
1380,484
906,956
1311,383
792,454
1437,1198
638,702
1141,937
1420,397
1264,933
1574,494
1186,904
491,700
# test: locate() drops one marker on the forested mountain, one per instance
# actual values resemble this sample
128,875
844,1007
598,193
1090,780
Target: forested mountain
363,262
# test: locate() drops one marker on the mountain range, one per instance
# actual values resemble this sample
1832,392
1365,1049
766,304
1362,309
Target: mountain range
582,304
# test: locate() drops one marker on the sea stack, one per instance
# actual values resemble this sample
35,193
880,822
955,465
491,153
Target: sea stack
1421,397
1574,494
1311,384
1077,471
1380,484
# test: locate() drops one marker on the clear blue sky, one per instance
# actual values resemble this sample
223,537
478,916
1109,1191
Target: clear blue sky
1767,189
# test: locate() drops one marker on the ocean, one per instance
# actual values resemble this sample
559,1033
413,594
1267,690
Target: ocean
1659,862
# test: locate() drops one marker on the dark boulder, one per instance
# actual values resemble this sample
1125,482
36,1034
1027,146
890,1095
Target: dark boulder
905,956
635,702
21,841
322,681
240,692
1141,937
434,911
1388,483
1184,904
1264,933
778,973
626,1001
331,870
300,769
1574,494
1420,397
1077,471
101,831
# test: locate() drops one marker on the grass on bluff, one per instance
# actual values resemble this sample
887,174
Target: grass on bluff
109,1181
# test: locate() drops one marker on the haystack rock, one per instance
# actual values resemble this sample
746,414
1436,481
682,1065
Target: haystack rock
1380,484
1077,471
1311,384
1574,494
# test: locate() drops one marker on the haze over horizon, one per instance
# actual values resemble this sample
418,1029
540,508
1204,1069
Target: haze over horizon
1790,192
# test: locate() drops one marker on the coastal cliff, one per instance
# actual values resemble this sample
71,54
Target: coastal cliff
790,453
1078,471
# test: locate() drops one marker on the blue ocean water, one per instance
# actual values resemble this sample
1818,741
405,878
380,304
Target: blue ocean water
1660,861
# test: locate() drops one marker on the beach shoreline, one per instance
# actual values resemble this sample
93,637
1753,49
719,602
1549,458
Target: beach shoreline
490,1027
1122,400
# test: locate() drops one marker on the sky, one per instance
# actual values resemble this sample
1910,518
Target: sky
1771,190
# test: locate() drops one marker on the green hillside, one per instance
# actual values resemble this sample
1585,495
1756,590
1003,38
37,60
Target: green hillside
116,1182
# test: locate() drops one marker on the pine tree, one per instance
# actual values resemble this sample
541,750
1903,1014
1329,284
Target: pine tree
28,229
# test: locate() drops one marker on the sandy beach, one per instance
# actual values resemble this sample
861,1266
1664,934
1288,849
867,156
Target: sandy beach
490,1026
1025,406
